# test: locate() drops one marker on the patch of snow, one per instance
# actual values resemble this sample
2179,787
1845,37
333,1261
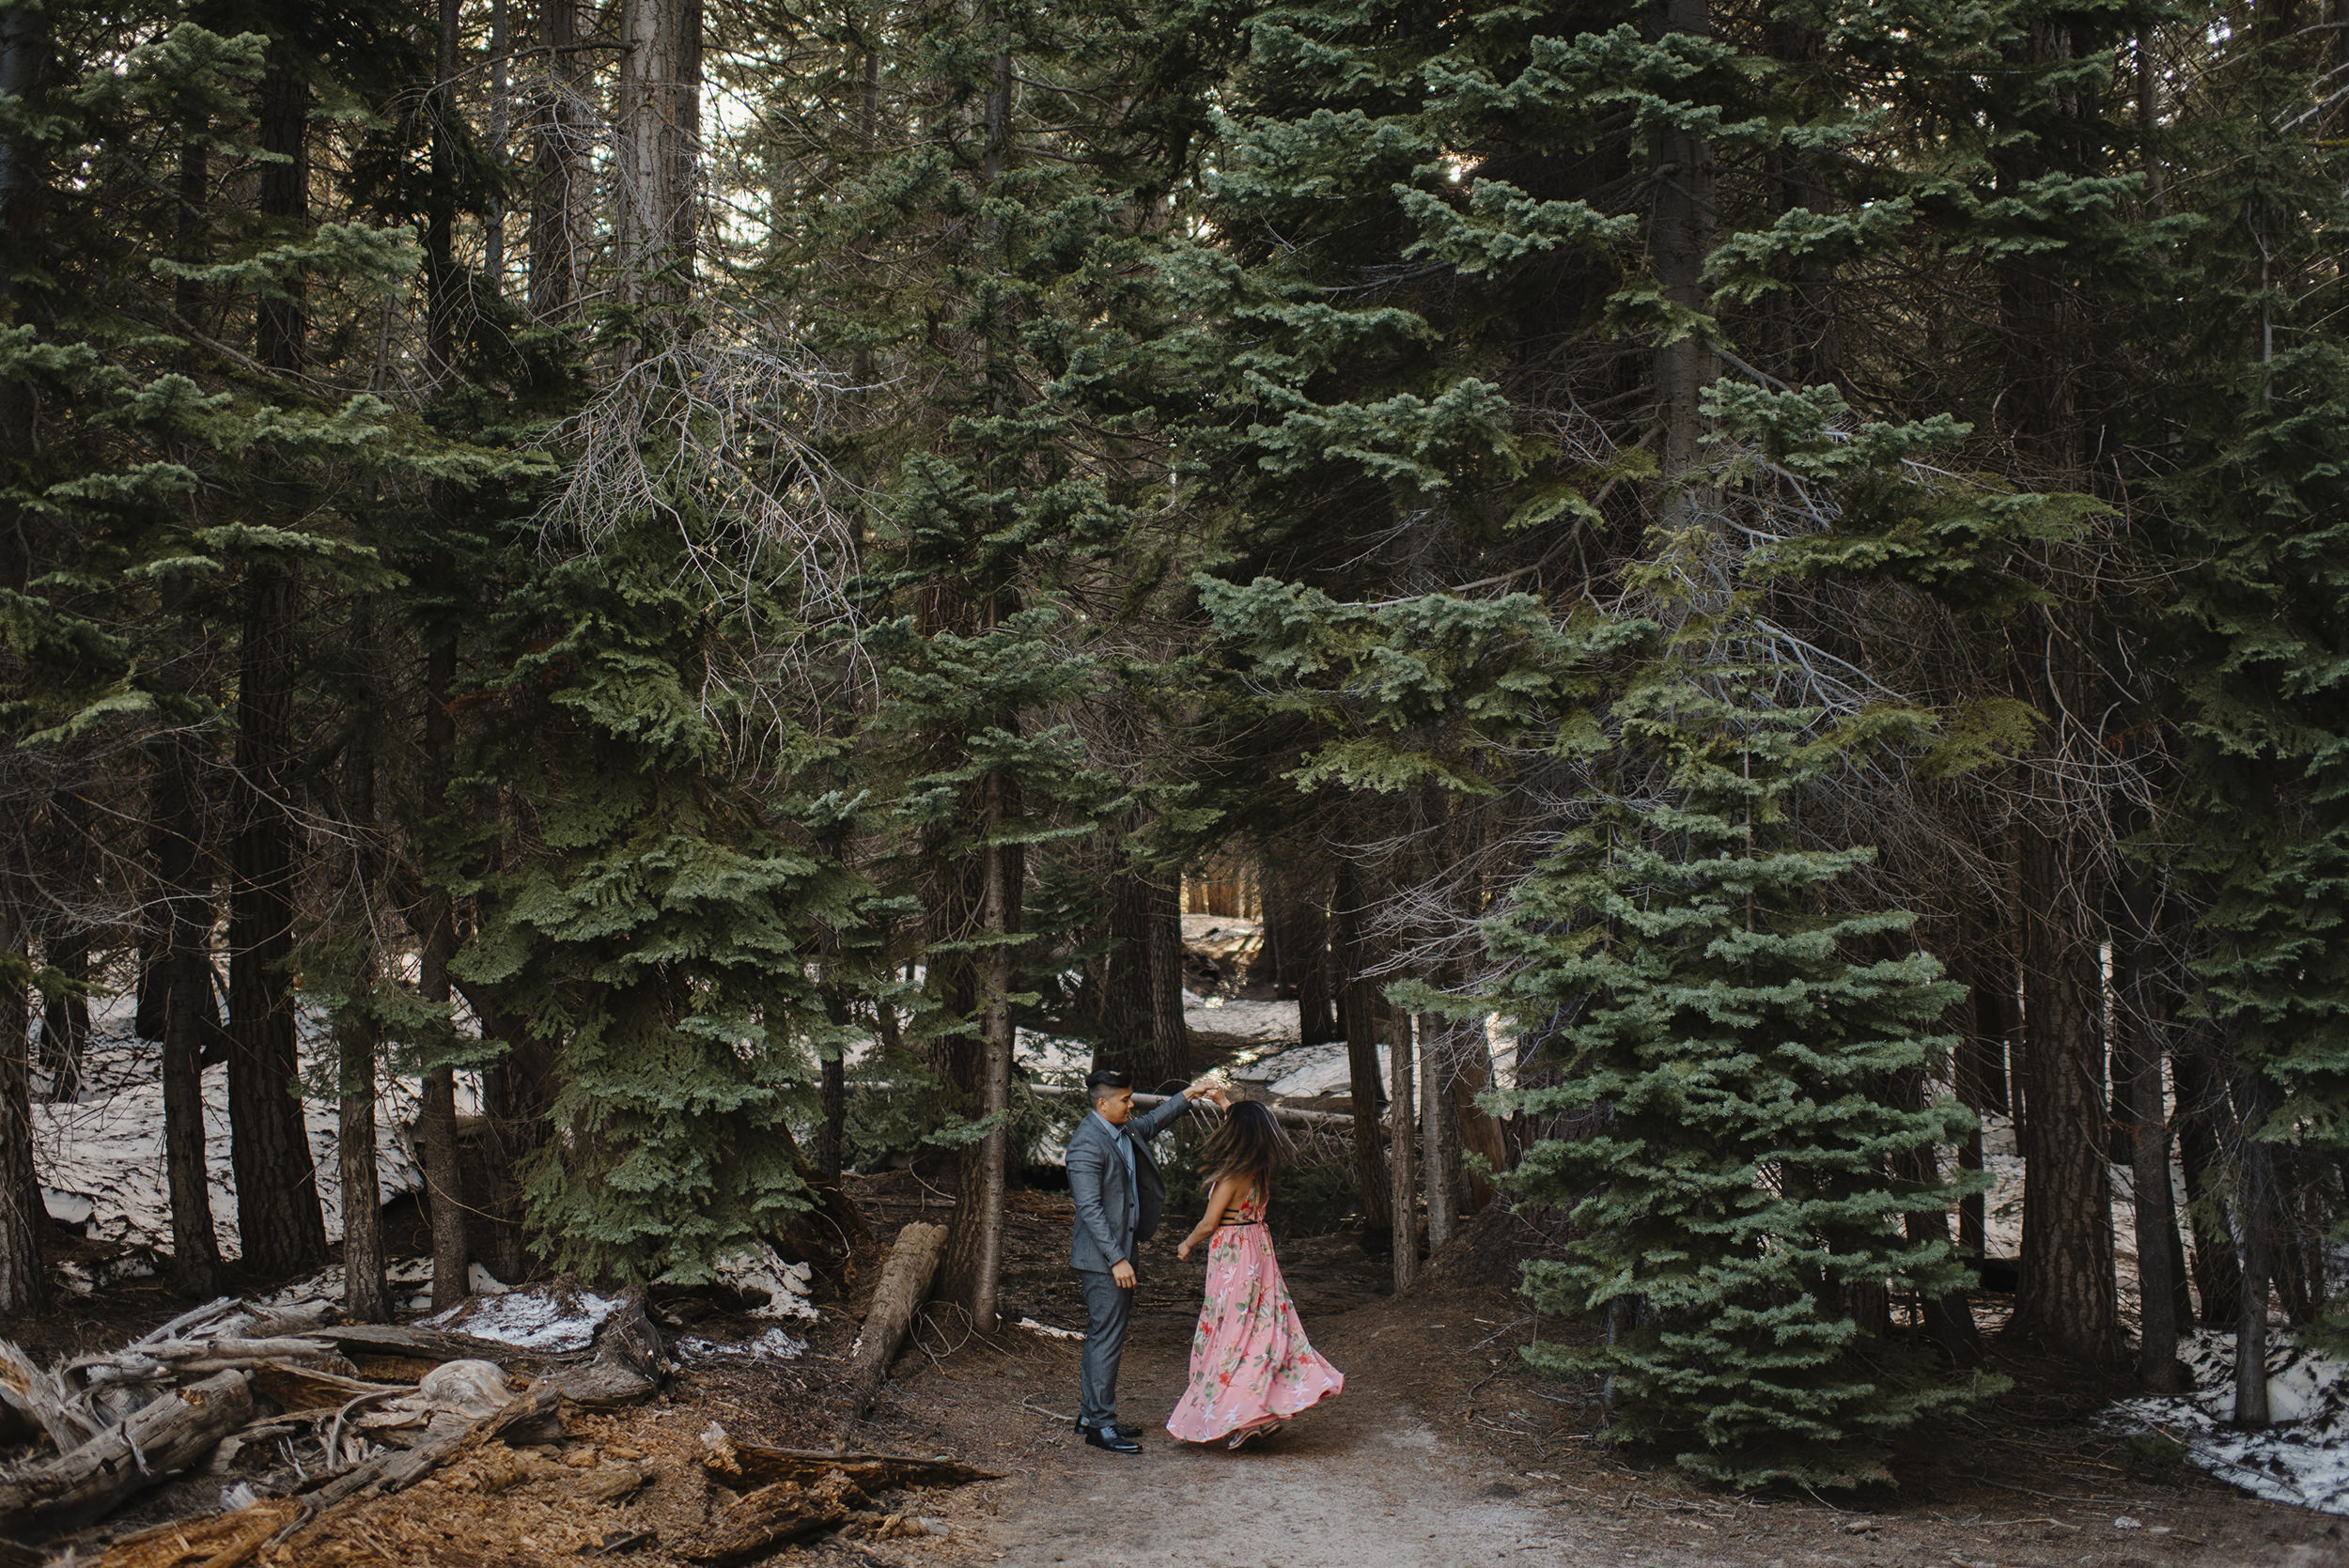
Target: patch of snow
2303,1458
764,1272
99,1158
1258,1022
1051,1058
327,1284
772,1346
550,1317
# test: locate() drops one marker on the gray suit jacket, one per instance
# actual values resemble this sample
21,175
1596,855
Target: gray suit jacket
1097,1179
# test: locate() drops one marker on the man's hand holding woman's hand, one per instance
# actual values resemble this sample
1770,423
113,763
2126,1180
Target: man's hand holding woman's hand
1211,1090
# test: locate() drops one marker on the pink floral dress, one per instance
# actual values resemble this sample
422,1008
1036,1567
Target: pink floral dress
1250,1362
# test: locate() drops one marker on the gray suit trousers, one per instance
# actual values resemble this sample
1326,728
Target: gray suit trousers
1107,1310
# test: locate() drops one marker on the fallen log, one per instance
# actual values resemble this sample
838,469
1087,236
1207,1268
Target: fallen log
777,1516
358,1339
874,1472
158,1440
299,1387
905,1284
526,1419
43,1401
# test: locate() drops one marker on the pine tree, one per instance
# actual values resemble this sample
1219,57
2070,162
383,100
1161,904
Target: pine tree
1724,1038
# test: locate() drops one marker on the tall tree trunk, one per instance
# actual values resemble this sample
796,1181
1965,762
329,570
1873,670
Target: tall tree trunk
500,132
442,285
184,977
23,57
1981,1064
282,323
2069,1291
24,1288
1403,1189
832,1092
2255,1223
2141,1016
277,1199
562,182
1680,237
1438,1128
517,1100
1358,1011
435,1113
2205,1124
1170,1035
980,1209
278,1214
1128,1009
657,122
367,1294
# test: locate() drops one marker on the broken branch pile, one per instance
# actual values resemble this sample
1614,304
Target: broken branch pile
376,1406
797,1494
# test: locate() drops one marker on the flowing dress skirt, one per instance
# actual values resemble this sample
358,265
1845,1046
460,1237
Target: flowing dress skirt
1251,1364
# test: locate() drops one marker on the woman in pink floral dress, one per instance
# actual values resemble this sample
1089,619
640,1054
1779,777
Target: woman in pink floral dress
1251,1367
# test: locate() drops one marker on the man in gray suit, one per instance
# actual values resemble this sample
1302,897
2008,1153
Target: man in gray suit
1119,1196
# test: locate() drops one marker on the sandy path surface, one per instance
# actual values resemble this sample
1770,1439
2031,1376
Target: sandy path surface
1361,1482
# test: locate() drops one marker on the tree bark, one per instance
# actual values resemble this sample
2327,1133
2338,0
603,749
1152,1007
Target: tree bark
2255,1214
995,1086
1403,1200
563,181
658,123
2069,1292
441,277
24,1288
435,1113
366,1294
158,1441
184,973
905,1284
1440,1128
2206,1121
1680,237
2141,1016
500,131
278,1216
1128,1009
1358,1011
1170,1035
282,323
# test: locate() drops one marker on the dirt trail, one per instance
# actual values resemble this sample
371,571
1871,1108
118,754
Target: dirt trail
1359,1482
1365,1481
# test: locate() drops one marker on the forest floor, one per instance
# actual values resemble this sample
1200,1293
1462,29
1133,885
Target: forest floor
1443,1452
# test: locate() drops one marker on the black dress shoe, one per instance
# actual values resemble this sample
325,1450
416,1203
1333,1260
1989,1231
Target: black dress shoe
1112,1439
1113,1427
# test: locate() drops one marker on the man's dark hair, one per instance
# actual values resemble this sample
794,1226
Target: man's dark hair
1103,1082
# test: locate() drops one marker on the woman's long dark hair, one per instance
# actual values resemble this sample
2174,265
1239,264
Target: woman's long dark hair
1249,1143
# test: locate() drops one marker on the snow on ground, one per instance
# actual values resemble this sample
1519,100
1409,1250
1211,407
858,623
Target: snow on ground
554,1317
764,1272
2303,1458
772,1346
1304,1072
100,1158
1258,1022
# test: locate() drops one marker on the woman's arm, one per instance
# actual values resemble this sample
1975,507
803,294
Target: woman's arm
1225,1194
